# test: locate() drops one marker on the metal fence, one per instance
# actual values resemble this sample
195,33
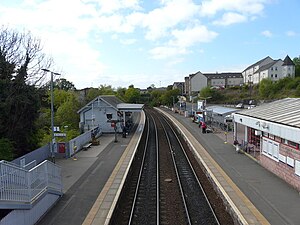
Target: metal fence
39,155
25,186
77,143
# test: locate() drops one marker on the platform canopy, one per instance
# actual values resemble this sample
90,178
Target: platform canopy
127,107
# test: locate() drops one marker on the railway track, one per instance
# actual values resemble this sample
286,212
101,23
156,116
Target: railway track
162,186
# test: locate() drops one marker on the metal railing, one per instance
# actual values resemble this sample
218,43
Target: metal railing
24,186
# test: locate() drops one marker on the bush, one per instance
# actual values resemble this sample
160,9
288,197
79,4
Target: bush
6,149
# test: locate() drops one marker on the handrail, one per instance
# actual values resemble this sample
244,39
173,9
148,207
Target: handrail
25,186
16,166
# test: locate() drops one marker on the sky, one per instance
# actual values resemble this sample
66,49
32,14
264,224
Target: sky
155,42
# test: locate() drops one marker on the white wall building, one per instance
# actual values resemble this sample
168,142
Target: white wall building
269,68
274,130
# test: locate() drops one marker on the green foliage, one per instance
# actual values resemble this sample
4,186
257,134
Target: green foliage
63,84
296,60
266,88
132,95
66,114
102,90
6,149
170,97
206,92
121,93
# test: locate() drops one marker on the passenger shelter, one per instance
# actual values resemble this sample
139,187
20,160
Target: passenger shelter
220,116
273,129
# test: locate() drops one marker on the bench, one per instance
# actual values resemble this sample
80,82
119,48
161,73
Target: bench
86,146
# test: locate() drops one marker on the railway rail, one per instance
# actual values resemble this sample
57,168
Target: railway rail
162,187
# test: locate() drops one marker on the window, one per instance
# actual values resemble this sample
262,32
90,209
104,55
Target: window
270,149
271,68
275,68
293,144
272,75
275,75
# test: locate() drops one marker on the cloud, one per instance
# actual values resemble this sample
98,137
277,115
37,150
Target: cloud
174,12
267,33
190,36
291,33
163,52
182,41
128,41
112,6
250,7
230,18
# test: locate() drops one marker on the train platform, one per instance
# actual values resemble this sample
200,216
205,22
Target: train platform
92,179
256,195
93,182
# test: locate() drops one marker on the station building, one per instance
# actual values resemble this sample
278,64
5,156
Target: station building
274,130
108,113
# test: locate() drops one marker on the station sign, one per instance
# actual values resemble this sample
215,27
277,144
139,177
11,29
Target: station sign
59,134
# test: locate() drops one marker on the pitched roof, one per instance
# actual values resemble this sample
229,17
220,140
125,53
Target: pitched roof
257,63
288,62
223,75
285,111
267,66
110,99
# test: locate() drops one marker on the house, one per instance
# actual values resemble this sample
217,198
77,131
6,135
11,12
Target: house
180,86
269,68
224,79
196,82
273,129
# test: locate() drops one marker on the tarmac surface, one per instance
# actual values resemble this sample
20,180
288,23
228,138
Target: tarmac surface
85,179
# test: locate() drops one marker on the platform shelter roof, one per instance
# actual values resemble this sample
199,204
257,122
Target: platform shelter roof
285,111
130,107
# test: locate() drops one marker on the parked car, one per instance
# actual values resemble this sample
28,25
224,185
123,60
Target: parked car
240,106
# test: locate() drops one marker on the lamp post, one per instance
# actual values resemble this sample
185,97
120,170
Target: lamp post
52,115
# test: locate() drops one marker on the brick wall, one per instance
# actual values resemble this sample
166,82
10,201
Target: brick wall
281,169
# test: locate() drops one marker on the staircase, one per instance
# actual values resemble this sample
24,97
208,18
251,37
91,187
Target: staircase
21,188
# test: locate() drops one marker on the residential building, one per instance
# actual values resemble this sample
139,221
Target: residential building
196,82
269,68
180,86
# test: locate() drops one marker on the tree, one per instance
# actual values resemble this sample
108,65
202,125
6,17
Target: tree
20,61
63,84
265,88
6,149
170,97
296,60
132,95
121,93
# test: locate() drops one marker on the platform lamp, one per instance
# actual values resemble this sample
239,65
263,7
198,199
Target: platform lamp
52,114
